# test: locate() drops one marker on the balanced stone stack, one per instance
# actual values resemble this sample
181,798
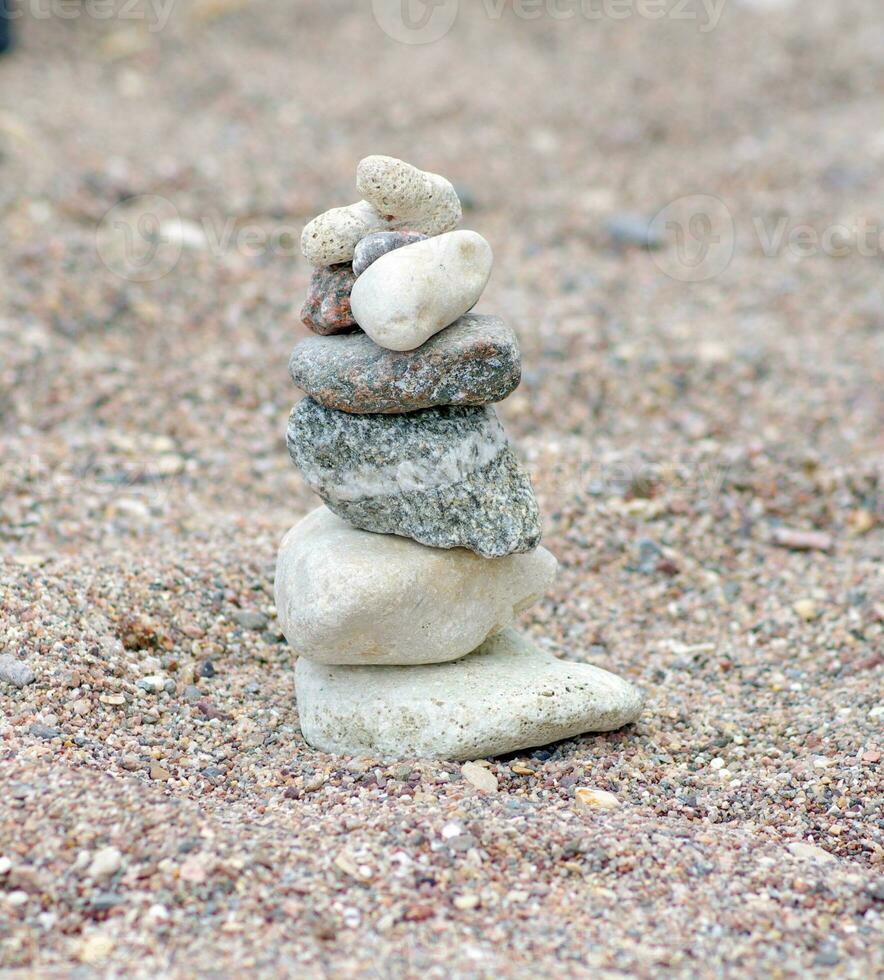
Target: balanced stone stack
400,593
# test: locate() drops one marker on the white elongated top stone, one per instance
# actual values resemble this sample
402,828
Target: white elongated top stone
396,196
412,293
346,596
505,697
426,202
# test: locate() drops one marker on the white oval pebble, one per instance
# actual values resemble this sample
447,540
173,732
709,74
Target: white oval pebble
483,779
412,293
105,863
595,799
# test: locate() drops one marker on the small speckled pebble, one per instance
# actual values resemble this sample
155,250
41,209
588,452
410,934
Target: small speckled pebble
427,201
15,672
372,247
327,310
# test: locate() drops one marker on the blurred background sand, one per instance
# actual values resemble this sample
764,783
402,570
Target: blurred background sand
676,430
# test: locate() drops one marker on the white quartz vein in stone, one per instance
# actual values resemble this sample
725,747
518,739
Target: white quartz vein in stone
470,453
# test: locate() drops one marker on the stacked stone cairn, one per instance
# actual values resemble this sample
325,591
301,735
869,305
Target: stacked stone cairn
400,593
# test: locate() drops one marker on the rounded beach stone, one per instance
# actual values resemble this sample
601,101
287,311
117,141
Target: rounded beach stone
327,307
445,477
331,238
505,697
397,197
346,596
414,292
475,361
427,201
372,247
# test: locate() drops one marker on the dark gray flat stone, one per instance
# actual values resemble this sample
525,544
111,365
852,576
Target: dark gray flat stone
373,246
475,361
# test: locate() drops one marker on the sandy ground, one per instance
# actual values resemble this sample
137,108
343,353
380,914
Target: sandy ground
677,432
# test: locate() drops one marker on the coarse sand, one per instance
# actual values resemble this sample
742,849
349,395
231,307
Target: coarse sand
160,813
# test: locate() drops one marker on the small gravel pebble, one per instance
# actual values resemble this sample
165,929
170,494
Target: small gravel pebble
105,863
479,776
43,731
634,230
595,799
15,672
250,621
802,540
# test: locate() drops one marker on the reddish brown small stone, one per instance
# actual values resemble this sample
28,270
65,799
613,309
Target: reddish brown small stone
418,913
326,310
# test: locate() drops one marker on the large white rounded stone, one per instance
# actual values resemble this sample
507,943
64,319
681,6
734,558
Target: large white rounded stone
505,697
346,596
412,293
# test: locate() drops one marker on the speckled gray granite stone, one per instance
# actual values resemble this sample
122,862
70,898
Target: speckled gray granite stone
445,477
504,697
372,247
475,361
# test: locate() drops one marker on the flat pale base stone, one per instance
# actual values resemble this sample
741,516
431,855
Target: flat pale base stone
506,696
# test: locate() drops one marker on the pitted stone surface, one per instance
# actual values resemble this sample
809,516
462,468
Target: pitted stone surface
398,189
445,477
346,596
505,697
373,246
327,310
331,238
397,197
476,361
409,294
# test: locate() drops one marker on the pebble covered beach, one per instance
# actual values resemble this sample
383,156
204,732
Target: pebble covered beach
707,457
